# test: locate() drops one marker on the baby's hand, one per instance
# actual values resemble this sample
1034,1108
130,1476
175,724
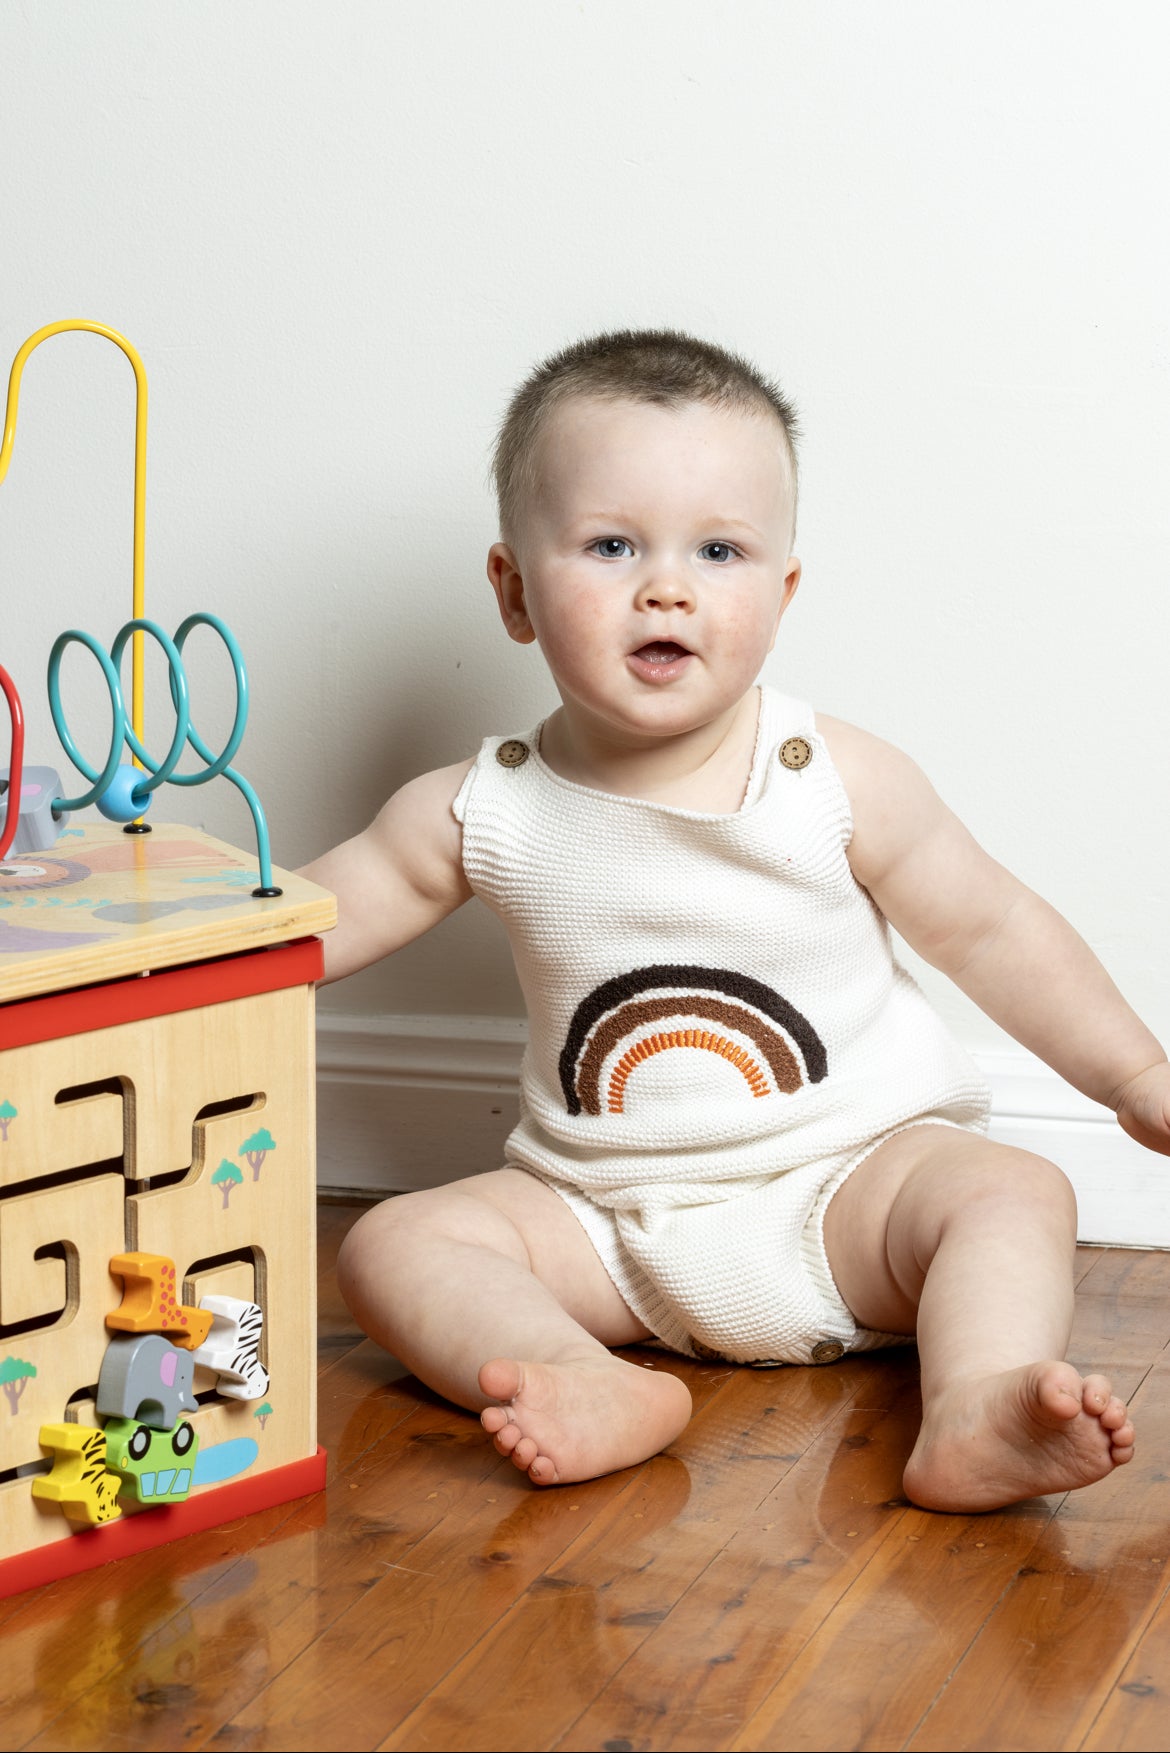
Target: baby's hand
1144,1109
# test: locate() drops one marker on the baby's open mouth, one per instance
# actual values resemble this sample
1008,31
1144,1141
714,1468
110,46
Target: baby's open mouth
661,651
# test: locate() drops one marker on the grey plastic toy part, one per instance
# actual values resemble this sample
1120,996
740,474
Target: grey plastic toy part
37,828
144,1376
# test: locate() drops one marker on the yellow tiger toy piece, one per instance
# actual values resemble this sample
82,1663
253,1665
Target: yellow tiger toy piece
80,1483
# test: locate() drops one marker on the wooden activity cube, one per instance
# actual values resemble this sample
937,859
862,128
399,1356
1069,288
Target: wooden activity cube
157,1093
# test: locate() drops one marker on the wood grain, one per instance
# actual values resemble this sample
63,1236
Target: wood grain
102,904
763,1584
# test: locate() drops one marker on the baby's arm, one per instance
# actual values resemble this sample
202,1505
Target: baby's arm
1021,962
399,877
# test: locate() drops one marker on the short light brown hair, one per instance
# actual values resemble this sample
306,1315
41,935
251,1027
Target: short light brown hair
662,366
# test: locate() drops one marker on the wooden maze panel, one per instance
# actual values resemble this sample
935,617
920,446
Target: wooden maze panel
64,1357
207,1158
41,1134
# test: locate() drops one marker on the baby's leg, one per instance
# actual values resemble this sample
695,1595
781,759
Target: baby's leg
492,1293
971,1245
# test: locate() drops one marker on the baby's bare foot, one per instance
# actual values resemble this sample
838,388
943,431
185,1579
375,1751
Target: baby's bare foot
999,1439
580,1418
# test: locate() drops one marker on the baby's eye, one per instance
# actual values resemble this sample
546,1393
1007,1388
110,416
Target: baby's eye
720,552
612,547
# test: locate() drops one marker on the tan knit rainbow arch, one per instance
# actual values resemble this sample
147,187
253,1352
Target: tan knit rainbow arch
785,1050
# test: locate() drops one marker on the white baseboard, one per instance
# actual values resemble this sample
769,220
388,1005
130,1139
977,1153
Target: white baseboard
414,1101
406,1102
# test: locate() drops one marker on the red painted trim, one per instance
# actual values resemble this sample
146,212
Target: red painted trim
139,1533
27,1021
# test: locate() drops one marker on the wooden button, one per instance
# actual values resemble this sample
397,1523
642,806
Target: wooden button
513,753
796,752
827,1351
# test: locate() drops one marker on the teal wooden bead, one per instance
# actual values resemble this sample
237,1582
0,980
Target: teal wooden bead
118,802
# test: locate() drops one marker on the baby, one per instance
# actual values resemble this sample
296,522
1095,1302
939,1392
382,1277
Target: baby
744,1133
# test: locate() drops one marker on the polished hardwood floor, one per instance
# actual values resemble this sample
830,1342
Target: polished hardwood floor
762,1584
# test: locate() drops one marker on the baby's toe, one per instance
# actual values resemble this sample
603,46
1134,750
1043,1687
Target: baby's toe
542,1471
1096,1394
524,1453
507,1439
1115,1414
493,1418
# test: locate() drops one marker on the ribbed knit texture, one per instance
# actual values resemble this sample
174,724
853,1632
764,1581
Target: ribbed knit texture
719,1032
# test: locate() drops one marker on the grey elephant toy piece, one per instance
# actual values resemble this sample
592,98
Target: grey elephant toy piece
144,1376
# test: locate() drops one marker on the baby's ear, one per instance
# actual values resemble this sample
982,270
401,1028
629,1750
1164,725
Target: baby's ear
505,579
788,591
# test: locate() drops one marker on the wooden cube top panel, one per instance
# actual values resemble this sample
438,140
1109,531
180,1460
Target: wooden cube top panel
102,904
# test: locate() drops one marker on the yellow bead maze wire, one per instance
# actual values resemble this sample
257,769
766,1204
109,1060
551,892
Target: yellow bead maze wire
34,341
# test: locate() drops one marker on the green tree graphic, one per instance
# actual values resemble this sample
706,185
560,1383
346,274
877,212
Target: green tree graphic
7,1113
226,1176
263,1413
256,1148
14,1375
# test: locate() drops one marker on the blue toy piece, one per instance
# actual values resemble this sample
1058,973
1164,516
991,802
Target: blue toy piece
37,826
124,798
146,1378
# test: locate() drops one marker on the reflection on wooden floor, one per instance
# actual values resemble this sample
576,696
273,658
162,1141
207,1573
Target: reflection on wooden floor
761,1585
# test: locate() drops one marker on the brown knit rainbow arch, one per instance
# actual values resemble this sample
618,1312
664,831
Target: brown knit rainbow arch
719,996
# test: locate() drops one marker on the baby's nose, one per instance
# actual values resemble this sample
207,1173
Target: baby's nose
665,590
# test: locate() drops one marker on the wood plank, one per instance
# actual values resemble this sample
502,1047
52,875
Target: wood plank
891,1641
622,1576
337,1331
718,1652
697,1710
1135,1713
142,1641
1066,1631
1122,1314
253,1620
498,1537
674,1604
75,1635
925,1599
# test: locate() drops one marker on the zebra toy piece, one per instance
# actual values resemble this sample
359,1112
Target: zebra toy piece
232,1348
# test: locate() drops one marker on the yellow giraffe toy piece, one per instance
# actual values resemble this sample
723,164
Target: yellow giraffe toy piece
149,1303
80,1483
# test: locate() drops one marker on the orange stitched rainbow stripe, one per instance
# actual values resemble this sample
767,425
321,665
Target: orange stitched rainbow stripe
646,1049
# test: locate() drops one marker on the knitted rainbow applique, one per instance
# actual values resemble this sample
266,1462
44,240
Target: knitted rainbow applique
619,1026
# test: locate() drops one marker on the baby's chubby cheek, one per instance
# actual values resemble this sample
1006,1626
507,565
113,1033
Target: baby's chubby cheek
575,654
574,627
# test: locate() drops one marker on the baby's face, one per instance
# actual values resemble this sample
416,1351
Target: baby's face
653,562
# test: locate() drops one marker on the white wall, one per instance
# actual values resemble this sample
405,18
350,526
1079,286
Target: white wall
340,233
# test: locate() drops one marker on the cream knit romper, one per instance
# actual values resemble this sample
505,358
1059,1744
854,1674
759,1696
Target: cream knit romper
719,1032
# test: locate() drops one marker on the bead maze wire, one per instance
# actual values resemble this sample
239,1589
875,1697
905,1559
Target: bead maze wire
12,803
122,790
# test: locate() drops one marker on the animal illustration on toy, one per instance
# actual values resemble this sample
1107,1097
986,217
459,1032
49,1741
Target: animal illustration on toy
119,1096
